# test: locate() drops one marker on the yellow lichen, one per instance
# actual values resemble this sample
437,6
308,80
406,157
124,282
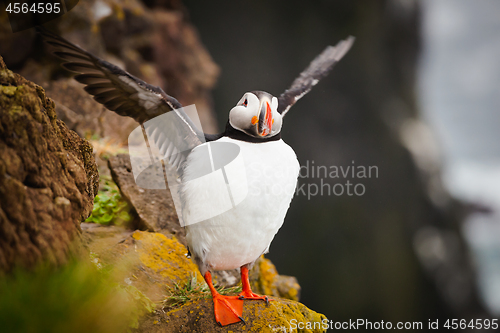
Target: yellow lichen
293,293
267,276
8,90
266,280
164,256
280,315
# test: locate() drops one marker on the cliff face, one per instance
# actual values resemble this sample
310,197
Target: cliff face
48,177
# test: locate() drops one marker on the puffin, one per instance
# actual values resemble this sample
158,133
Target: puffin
263,183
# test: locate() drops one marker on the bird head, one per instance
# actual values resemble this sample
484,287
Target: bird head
256,114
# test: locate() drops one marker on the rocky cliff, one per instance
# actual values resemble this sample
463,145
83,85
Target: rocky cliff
48,177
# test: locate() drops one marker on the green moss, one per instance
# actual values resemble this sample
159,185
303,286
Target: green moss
8,90
6,76
109,206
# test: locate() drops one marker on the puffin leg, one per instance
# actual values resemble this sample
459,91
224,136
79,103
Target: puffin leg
227,309
247,291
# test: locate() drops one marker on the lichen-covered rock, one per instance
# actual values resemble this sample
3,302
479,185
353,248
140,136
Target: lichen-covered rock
265,280
198,317
164,256
151,262
48,177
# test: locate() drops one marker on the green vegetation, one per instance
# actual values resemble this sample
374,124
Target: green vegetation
76,298
109,206
192,290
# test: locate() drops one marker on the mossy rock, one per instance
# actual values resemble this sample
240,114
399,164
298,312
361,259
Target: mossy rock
164,256
48,178
198,316
265,280
151,262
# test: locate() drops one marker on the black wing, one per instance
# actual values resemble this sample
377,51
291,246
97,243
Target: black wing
129,96
317,69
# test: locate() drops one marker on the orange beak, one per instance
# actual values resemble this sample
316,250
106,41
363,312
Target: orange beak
265,119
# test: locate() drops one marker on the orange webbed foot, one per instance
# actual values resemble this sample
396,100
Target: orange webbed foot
228,309
247,293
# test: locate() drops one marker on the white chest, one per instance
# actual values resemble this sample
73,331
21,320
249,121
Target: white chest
260,186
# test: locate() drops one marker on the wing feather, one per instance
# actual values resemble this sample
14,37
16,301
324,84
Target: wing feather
93,70
317,70
129,96
91,79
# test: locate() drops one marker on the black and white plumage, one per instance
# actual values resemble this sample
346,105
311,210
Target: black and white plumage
237,237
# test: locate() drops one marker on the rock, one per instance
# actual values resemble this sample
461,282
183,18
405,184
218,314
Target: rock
265,280
155,208
198,316
150,262
48,177
94,231
163,256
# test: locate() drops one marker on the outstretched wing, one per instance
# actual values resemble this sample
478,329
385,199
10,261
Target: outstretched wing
317,69
129,96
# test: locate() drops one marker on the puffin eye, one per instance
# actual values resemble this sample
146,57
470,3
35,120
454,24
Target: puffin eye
245,103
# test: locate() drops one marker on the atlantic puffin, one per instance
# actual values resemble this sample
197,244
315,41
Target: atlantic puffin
237,237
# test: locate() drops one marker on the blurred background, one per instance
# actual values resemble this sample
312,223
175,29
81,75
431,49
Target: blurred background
458,96
416,97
